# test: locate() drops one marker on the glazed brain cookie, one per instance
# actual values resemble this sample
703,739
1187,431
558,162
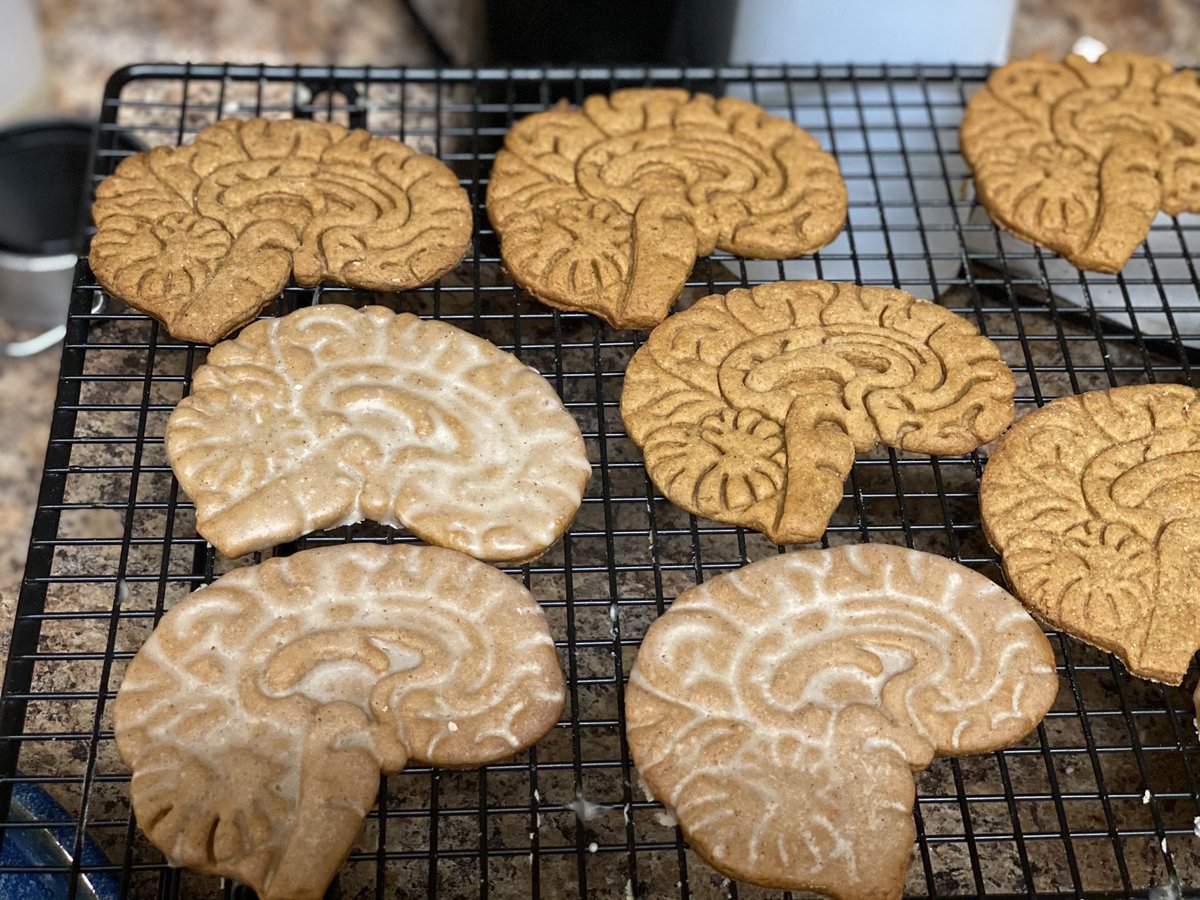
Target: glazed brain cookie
750,406
606,207
258,716
332,415
202,237
781,710
1080,156
1094,505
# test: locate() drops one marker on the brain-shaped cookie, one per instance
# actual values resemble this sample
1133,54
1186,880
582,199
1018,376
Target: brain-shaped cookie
781,710
1094,505
605,208
1080,156
750,406
332,415
258,716
202,237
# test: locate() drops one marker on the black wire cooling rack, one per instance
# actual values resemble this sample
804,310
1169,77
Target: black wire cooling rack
1103,801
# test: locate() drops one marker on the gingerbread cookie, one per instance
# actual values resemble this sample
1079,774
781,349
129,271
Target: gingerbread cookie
202,237
780,711
1094,505
750,406
332,415
606,207
1080,156
260,713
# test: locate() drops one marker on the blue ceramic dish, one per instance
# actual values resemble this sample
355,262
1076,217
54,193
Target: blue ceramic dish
51,846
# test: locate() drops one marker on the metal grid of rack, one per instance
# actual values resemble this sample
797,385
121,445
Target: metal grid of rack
1103,801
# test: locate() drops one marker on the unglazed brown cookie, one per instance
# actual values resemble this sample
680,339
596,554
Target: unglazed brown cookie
1080,156
202,237
780,711
750,406
258,716
332,415
606,207
1094,504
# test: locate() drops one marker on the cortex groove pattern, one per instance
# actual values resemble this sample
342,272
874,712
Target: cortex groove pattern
332,415
201,237
258,716
750,406
1094,504
606,207
781,710
1080,156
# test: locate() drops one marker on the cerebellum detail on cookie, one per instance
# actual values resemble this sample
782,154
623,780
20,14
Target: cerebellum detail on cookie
606,208
780,711
260,713
332,415
750,406
202,236
1094,505
1080,156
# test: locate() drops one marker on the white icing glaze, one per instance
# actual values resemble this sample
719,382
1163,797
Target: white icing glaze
585,809
265,706
779,710
331,415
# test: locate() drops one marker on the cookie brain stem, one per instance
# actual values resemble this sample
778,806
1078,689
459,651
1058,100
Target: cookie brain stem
260,713
1094,504
201,237
605,208
781,710
750,406
1080,156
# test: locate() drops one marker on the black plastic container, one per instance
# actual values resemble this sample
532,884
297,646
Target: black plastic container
44,170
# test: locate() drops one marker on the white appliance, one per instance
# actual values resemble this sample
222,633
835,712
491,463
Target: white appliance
23,81
872,31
